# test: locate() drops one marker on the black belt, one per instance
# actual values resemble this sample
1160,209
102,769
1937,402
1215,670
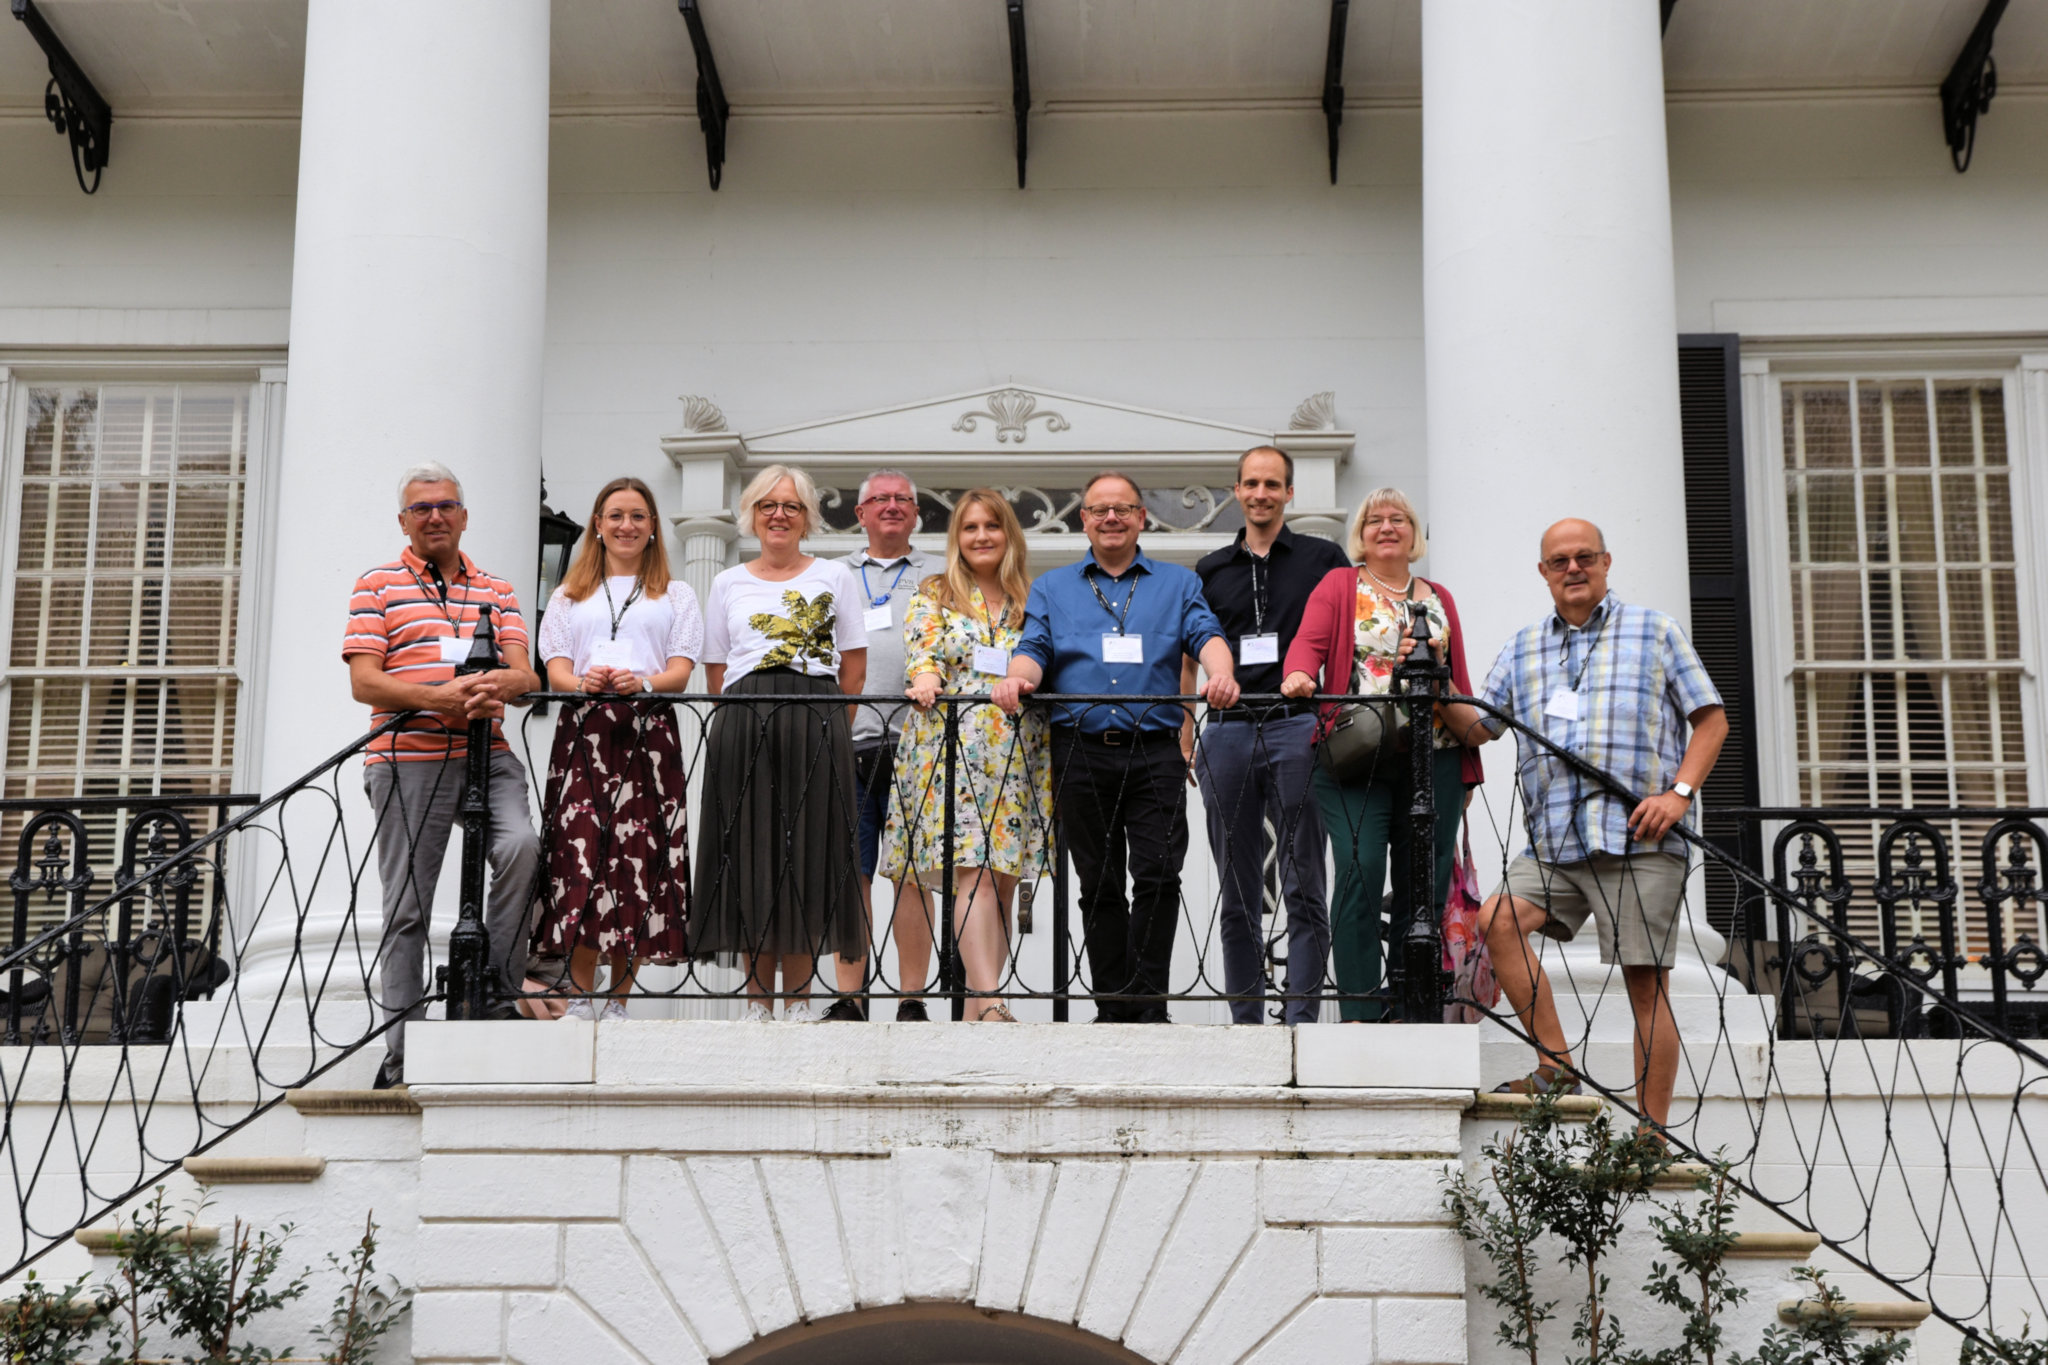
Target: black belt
1120,739
1275,711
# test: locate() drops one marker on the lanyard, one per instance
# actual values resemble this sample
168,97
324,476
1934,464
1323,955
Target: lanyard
454,618
619,615
1260,589
883,600
1565,663
1129,597
988,618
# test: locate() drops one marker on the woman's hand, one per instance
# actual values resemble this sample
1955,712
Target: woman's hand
626,682
923,690
1298,685
1407,647
598,679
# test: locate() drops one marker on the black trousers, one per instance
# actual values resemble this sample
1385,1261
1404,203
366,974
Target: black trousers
1124,808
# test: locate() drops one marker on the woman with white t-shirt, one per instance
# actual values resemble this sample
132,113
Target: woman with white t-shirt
618,876
778,881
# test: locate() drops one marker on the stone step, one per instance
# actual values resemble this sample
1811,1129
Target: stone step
1884,1315
1763,1246
100,1241
255,1170
1570,1108
397,1100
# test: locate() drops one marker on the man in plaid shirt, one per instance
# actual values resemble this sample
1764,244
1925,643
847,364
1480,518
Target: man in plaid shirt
1615,685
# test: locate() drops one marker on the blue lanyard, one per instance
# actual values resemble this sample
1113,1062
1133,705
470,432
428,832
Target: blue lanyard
883,600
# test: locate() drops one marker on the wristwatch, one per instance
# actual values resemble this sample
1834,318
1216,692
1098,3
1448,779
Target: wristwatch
1684,789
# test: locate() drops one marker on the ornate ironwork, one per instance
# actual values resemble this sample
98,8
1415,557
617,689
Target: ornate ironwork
1012,410
71,101
713,112
1970,86
1053,511
1020,84
1333,78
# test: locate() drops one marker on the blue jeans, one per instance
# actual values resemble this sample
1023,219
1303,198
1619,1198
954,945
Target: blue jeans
874,776
1250,773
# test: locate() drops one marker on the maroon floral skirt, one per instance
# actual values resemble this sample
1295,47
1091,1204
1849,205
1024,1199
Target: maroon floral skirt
618,874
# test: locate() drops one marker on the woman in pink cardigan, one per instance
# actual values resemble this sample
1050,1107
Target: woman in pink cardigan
1350,639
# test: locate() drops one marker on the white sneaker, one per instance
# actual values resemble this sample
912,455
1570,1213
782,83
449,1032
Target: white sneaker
756,1013
800,1012
613,1009
579,1009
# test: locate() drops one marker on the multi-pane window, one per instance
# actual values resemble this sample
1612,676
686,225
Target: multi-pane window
1905,612
125,581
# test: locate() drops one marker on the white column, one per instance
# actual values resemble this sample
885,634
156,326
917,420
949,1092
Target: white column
418,302
1550,327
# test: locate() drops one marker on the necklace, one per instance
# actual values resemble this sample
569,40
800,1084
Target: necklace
1389,586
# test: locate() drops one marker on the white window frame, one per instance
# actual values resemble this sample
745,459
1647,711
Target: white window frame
265,375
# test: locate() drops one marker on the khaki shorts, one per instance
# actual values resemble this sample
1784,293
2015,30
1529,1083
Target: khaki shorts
1638,894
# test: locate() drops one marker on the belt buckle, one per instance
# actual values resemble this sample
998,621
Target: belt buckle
1115,739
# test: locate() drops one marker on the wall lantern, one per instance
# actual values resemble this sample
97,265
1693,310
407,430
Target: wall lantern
559,533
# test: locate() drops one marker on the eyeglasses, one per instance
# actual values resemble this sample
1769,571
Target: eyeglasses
1102,511
1583,559
905,499
614,517
785,509
423,510
1390,519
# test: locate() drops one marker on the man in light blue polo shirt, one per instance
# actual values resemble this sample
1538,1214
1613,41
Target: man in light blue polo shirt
1117,624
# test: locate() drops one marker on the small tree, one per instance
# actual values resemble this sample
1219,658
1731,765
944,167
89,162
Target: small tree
1989,1348
210,1297
1827,1336
39,1327
1506,1230
364,1310
1585,1189
1698,1238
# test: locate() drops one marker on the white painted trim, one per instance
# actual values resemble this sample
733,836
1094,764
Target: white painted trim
2026,425
13,426
265,448
1770,585
145,327
1938,316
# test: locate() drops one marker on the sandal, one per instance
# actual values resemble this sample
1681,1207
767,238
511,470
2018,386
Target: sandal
997,1012
1544,1080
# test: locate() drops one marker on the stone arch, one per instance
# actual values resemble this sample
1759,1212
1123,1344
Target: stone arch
932,1334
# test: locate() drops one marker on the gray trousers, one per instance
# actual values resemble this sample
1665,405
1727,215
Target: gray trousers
417,806
1251,772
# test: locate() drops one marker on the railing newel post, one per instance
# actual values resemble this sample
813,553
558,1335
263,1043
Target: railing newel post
469,943
952,980
1419,991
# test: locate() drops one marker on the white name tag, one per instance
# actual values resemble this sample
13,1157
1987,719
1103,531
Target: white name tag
454,649
1563,705
992,661
1123,649
612,654
876,618
1258,649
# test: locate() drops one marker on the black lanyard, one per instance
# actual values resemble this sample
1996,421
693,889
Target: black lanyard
988,618
1564,664
1129,597
883,600
1260,589
619,615
454,618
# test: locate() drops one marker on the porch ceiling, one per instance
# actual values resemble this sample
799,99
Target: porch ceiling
229,56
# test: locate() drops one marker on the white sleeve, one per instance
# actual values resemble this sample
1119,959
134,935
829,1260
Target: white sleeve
717,638
686,624
557,633
848,630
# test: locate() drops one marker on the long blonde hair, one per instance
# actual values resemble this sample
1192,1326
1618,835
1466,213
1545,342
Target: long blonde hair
588,570
954,589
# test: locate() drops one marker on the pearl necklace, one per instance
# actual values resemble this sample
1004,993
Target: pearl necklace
1398,592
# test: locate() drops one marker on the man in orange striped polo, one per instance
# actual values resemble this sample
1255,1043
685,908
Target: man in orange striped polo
410,623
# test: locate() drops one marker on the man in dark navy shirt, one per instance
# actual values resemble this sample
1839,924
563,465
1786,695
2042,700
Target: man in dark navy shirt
1256,758
1116,625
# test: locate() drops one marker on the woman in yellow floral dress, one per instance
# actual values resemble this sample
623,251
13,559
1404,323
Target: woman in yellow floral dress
958,634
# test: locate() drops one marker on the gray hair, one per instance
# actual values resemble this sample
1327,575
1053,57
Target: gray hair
861,495
762,484
433,471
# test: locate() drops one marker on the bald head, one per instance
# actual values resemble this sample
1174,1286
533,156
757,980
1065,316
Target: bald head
1573,528
1574,563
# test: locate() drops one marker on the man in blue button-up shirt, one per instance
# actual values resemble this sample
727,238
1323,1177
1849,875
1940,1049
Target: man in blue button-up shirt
1117,624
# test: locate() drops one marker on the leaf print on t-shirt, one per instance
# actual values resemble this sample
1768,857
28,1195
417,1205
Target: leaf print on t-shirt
806,633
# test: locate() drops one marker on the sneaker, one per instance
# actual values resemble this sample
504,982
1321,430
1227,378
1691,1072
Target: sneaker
800,1012
390,1074
613,1009
579,1008
911,1012
756,1013
844,1010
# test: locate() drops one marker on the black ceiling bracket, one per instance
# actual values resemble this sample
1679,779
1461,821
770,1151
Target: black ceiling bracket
1664,14
1020,85
713,113
1333,78
71,101
1969,87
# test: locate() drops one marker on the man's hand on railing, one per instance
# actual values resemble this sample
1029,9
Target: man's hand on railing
1011,692
1221,691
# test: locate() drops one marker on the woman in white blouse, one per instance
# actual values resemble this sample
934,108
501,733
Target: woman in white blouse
618,882
777,873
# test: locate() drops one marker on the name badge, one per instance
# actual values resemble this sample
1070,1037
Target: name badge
1563,705
454,649
612,654
1258,649
876,618
992,661
1123,649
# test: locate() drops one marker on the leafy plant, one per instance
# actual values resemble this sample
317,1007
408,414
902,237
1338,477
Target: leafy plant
1585,1189
1506,1225
209,1297
1990,1348
1698,1238
145,1250
39,1327
1826,1336
364,1310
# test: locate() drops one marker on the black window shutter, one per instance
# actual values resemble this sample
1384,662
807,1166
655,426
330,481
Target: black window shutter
1717,540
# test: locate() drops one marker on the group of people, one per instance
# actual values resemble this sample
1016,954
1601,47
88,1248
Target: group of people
805,799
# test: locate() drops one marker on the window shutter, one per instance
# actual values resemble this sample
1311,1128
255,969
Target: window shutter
1717,541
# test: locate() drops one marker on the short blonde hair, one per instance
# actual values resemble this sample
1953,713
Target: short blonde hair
1354,535
763,483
